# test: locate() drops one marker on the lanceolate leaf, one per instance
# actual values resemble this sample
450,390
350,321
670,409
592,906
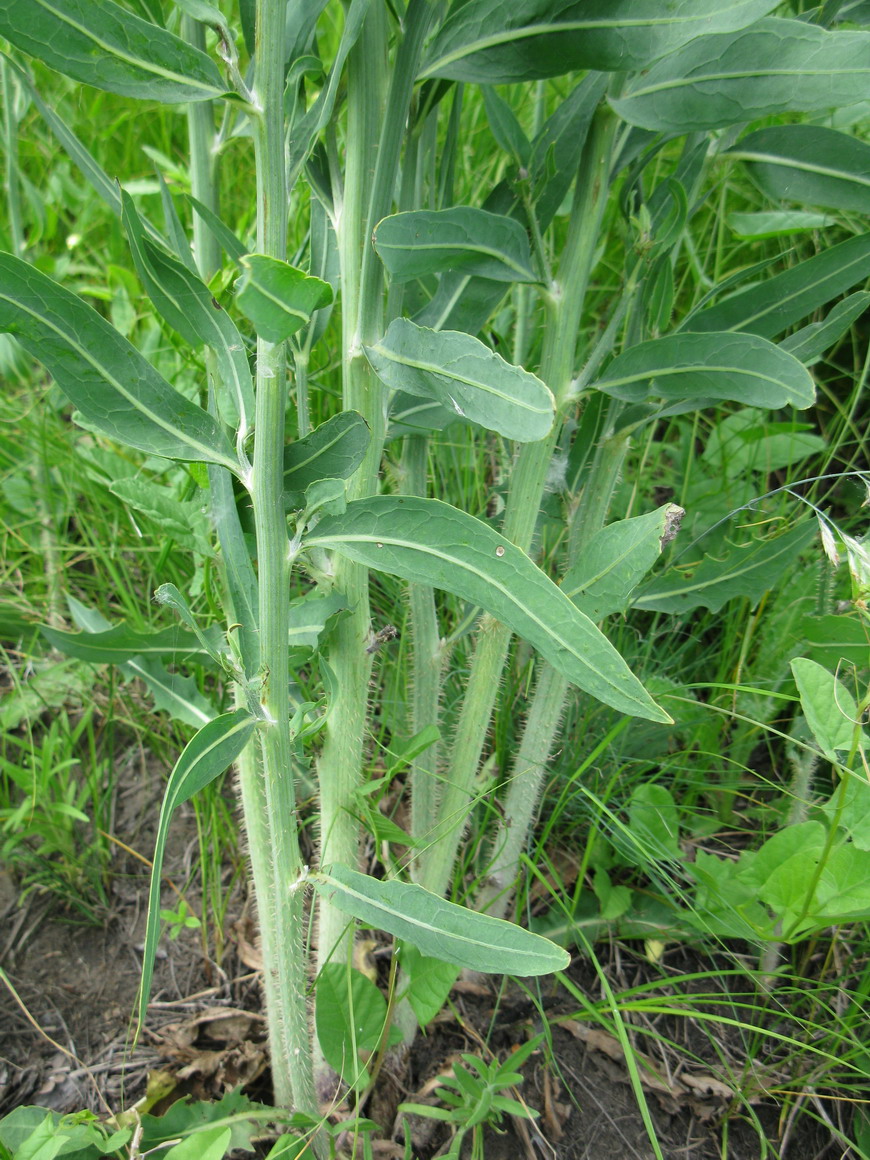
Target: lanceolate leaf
99,43
278,298
440,929
774,67
749,570
429,542
463,238
189,307
771,306
465,376
119,644
102,374
493,42
334,450
810,342
741,368
808,164
214,748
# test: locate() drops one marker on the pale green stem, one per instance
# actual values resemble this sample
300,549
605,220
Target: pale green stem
427,659
10,135
267,778
566,301
203,166
529,769
374,138
341,759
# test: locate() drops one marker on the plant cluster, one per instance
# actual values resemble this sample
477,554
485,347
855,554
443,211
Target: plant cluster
369,388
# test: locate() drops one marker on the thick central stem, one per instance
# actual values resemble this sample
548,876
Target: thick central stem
266,774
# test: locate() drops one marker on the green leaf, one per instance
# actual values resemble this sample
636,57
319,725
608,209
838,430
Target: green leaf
782,872
775,223
214,748
843,890
710,582
334,450
116,645
439,928
505,127
115,388
464,375
98,43
684,367
810,342
429,542
770,307
746,441
474,241
491,42
210,1144
308,617
173,693
773,67
808,164
830,709
168,594
350,1019
431,981
190,308
276,297
617,558
183,520
653,821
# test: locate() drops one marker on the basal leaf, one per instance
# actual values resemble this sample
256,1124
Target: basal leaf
465,376
440,929
773,67
809,164
742,368
462,238
276,297
495,43
98,43
334,450
771,306
429,542
115,388
709,582
214,748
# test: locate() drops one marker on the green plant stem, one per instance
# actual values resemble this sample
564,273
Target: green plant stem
203,165
566,301
374,139
342,755
10,144
427,666
541,729
273,838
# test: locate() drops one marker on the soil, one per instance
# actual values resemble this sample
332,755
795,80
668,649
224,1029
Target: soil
66,1034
